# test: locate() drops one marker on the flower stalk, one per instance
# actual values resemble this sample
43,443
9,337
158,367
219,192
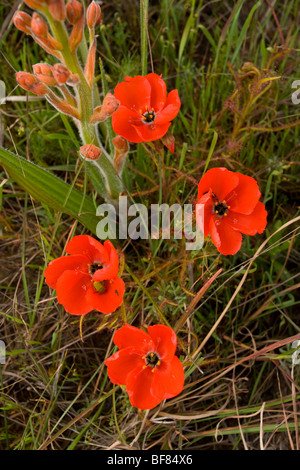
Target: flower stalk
69,72
144,7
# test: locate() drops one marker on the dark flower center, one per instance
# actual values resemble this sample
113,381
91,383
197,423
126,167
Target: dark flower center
221,208
99,286
148,116
152,360
94,267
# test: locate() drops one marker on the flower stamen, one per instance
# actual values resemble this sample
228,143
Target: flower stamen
152,360
221,208
148,116
94,267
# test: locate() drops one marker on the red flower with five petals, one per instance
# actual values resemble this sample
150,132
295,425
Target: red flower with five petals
146,111
146,364
231,207
87,279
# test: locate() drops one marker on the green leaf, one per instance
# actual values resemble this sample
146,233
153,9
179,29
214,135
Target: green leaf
243,32
189,25
208,36
49,189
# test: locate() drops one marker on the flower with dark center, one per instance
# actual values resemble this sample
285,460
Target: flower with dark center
231,207
87,279
146,110
146,364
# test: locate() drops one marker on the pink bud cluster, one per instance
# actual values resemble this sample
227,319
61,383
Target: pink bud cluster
59,75
46,27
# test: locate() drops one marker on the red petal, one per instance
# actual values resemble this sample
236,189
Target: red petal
134,93
111,299
220,180
150,132
57,267
226,240
139,389
170,110
165,341
249,224
122,363
88,246
245,195
130,336
158,91
204,214
72,292
111,269
168,379
123,122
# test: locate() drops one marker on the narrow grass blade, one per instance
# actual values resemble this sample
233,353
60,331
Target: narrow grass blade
49,189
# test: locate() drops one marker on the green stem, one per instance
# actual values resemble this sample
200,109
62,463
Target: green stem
71,61
102,169
144,7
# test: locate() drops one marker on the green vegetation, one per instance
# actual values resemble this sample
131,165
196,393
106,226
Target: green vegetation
233,63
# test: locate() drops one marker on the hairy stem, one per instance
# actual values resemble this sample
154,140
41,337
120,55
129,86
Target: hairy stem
88,132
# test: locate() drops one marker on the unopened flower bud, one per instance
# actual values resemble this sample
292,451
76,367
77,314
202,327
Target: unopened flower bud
74,11
73,80
76,34
90,152
50,45
121,149
57,9
169,141
120,143
36,4
39,26
22,21
44,74
89,70
31,83
109,106
98,115
61,73
62,106
110,103
93,15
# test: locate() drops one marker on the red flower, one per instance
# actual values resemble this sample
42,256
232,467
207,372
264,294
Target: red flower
231,207
146,364
145,112
87,280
